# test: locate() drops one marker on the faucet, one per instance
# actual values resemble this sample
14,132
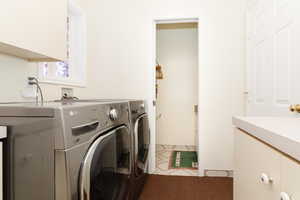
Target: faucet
35,81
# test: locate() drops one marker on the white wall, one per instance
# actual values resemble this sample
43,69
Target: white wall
177,52
13,79
121,44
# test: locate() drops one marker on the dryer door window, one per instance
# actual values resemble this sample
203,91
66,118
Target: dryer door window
105,170
142,141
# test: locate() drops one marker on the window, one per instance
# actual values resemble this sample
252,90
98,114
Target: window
71,71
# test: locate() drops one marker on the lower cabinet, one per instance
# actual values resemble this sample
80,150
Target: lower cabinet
2,137
1,170
262,173
290,178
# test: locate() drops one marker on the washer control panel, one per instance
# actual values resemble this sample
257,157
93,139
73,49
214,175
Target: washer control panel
137,107
82,122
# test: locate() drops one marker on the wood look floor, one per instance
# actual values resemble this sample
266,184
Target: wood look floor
160,187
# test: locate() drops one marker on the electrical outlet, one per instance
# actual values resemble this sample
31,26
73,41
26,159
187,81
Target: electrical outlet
29,92
67,92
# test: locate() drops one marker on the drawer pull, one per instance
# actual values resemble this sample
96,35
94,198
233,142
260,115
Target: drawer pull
265,179
284,196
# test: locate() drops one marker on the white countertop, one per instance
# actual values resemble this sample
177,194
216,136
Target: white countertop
281,133
2,132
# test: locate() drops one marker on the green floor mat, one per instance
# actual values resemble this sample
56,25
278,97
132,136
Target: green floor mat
184,160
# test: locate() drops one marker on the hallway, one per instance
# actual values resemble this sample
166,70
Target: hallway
163,159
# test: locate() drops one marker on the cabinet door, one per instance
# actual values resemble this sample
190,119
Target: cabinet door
273,46
1,171
34,29
290,178
2,136
252,159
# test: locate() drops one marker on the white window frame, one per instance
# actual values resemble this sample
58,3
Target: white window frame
77,51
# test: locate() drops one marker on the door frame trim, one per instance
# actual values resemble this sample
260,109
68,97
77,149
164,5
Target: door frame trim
152,93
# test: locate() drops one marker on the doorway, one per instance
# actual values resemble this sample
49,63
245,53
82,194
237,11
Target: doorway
176,98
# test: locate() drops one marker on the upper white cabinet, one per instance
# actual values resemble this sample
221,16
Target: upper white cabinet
34,29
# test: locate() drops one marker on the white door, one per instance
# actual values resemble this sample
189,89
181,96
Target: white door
273,56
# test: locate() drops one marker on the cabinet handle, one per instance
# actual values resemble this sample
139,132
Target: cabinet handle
264,178
284,196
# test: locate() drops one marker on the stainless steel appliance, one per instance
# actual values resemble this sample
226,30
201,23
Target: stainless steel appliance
86,154
141,134
96,155
28,152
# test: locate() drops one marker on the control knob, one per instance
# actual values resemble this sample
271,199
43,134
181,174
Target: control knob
113,114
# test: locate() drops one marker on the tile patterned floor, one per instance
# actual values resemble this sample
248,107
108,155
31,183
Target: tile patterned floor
163,154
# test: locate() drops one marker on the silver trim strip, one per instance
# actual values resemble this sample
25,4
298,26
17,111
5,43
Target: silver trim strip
136,135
